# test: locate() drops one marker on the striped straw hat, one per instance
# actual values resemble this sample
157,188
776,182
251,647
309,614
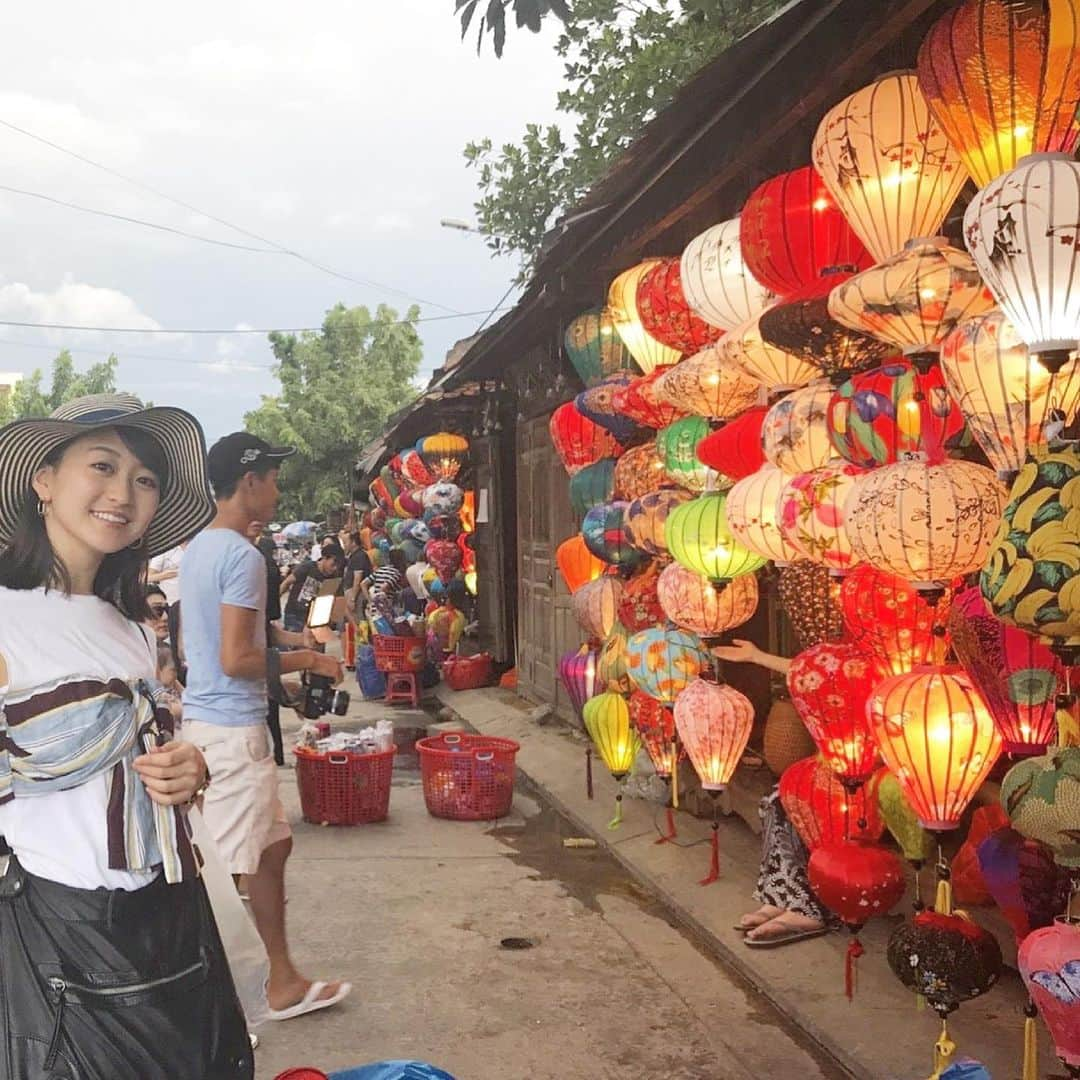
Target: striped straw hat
186,503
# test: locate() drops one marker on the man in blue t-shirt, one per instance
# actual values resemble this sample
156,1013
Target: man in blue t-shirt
223,600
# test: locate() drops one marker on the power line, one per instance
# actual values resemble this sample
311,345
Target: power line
191,361
498,307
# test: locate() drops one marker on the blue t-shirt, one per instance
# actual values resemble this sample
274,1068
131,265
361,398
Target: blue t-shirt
220,567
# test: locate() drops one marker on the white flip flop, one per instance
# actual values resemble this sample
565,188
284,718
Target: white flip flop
311,1002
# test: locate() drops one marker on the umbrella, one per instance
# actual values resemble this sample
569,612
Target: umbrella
297,530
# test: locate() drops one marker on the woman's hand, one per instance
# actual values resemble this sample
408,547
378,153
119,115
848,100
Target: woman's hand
739,652
171,773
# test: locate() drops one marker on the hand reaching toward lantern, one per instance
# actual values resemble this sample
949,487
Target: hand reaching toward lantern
741,651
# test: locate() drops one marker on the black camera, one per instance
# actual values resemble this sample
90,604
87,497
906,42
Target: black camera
320,697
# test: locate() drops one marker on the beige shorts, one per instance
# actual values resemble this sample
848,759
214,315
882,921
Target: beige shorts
241,808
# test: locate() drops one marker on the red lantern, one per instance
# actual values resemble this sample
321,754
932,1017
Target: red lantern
641,401
830,685
655,723
578,440
445,557
791,230
822,811
735,450
665,314
640,607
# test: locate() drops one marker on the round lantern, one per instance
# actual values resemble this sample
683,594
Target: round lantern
611,664
577,672
1049,963
606,537
598,405
692,601
594,346
638,471
982,46
645,519
830,685
414,471
791,230
822,811
794,433
655,725
578,440
662,663
714,722
925,523
887,163
646,350
735,449
1017,676
1021,231
938,739
698,537
677,446
596,605
443,498
591,486
810,596
772,367
705,384
665,314
641,402
753,515
1042,798
640,606
813,514
715,281
1005,394
894,414
577,564
443,454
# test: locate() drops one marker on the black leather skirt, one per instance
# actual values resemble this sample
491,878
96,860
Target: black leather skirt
112,985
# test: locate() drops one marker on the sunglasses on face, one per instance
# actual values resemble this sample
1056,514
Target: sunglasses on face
158,610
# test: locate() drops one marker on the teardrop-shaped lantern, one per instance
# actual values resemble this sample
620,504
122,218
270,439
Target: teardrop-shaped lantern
647,352
677,444
714,722
596,606
665,314
655,725
611,665
594,346
638,471
698,537
753,515
577,564
606,537
646,518
772,367
795,434
691,601
707,385
812,509
577,672
735,448
662,663
578,440
641,402
607,720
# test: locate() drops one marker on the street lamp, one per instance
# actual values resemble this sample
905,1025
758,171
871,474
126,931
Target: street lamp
461,226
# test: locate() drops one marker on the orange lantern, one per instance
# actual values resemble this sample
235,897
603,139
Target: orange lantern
641,402
707,385
690,600
638,471
577,564
578,440
665,314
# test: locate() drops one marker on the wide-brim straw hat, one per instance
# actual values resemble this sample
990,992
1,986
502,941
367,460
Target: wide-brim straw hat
186,504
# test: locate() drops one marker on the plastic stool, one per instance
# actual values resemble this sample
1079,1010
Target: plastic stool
402,686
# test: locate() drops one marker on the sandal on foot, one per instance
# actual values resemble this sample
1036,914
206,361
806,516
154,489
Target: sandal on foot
786,935
311,1002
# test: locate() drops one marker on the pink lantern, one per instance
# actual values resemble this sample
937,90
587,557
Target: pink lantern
690,600
812,514
714,722
1049,962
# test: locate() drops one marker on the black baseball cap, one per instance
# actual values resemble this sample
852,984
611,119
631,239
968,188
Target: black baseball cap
241,452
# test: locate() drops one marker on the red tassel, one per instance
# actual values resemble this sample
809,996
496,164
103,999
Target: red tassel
854,951
671,833
714,865
588,771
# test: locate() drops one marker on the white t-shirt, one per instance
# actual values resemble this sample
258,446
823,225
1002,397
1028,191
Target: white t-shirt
169,561
47,636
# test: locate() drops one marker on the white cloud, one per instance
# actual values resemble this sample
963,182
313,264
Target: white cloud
232,354
392,221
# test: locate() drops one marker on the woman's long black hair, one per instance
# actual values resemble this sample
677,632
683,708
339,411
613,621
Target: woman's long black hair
29,562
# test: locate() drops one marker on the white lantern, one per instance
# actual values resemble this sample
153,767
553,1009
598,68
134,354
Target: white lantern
778,370
753,515
706,384
795,432
812,516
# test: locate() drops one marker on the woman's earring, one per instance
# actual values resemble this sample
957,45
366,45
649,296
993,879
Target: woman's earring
42,507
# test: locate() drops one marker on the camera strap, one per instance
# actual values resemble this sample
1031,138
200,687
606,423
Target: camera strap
274,690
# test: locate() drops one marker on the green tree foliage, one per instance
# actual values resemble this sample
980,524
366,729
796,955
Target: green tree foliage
29,398
527,13
625,60
338,387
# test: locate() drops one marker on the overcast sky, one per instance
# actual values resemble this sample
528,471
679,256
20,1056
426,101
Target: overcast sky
334,128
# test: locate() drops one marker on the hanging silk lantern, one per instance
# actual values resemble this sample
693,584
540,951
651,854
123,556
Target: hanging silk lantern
794,433
814,517
611,663
646,518
443,454
410,504
925,523
594,346
662,663
753,518
916,844
414,471
379,493
707,385
810,596
443,498
444,556
665,314
830,685
641,402
577,564
607,720
894,414
596,605
822,811
735,449
1022,231
887,163
714,722
577,672
638,471
655,725
578,440
606,537
598,405
640,607
698,537
791,230
1041,795
1001,80
1005,394
715,281
646,350
1017,676
772,367
591,486
677,446
801,323
1049,963
938,739
692,602
442,526
887,618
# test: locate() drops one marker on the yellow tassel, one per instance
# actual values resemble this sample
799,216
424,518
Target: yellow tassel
920,1003
675,776
944,1050
1031,1049
943,902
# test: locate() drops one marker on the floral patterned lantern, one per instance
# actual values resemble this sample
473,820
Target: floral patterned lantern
577,672
646,518
640,606
607,720
810,596
1041,795
444,556
887,163
646,350
830,685
641,402
577,564
598,405
814,517
698,537
1002,81
655,725
593,485
443,454
705,384
442,498
938,739
791,230
414,471
925,523
606,537
677,445
735,449
578,440
665,314
714,722
794,433
596,605
772,367
894,414
822,811
594,346
753,515
717,285
662,663
1017,676
611,664
639,471
1049,963
692,602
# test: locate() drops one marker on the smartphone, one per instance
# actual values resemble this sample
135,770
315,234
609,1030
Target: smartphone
321,612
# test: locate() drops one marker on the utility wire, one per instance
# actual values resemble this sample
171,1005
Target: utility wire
498,307
190,361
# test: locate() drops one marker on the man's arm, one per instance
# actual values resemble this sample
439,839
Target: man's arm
286,585
242,658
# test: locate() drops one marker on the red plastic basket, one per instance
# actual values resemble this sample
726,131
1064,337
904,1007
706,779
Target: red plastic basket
469,672
343,788
399,653
467,777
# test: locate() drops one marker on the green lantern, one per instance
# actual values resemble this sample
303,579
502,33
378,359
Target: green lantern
677,446
592,486
595,348
698,537
1042,798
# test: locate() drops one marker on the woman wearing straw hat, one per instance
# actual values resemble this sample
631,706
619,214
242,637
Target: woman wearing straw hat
110,962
